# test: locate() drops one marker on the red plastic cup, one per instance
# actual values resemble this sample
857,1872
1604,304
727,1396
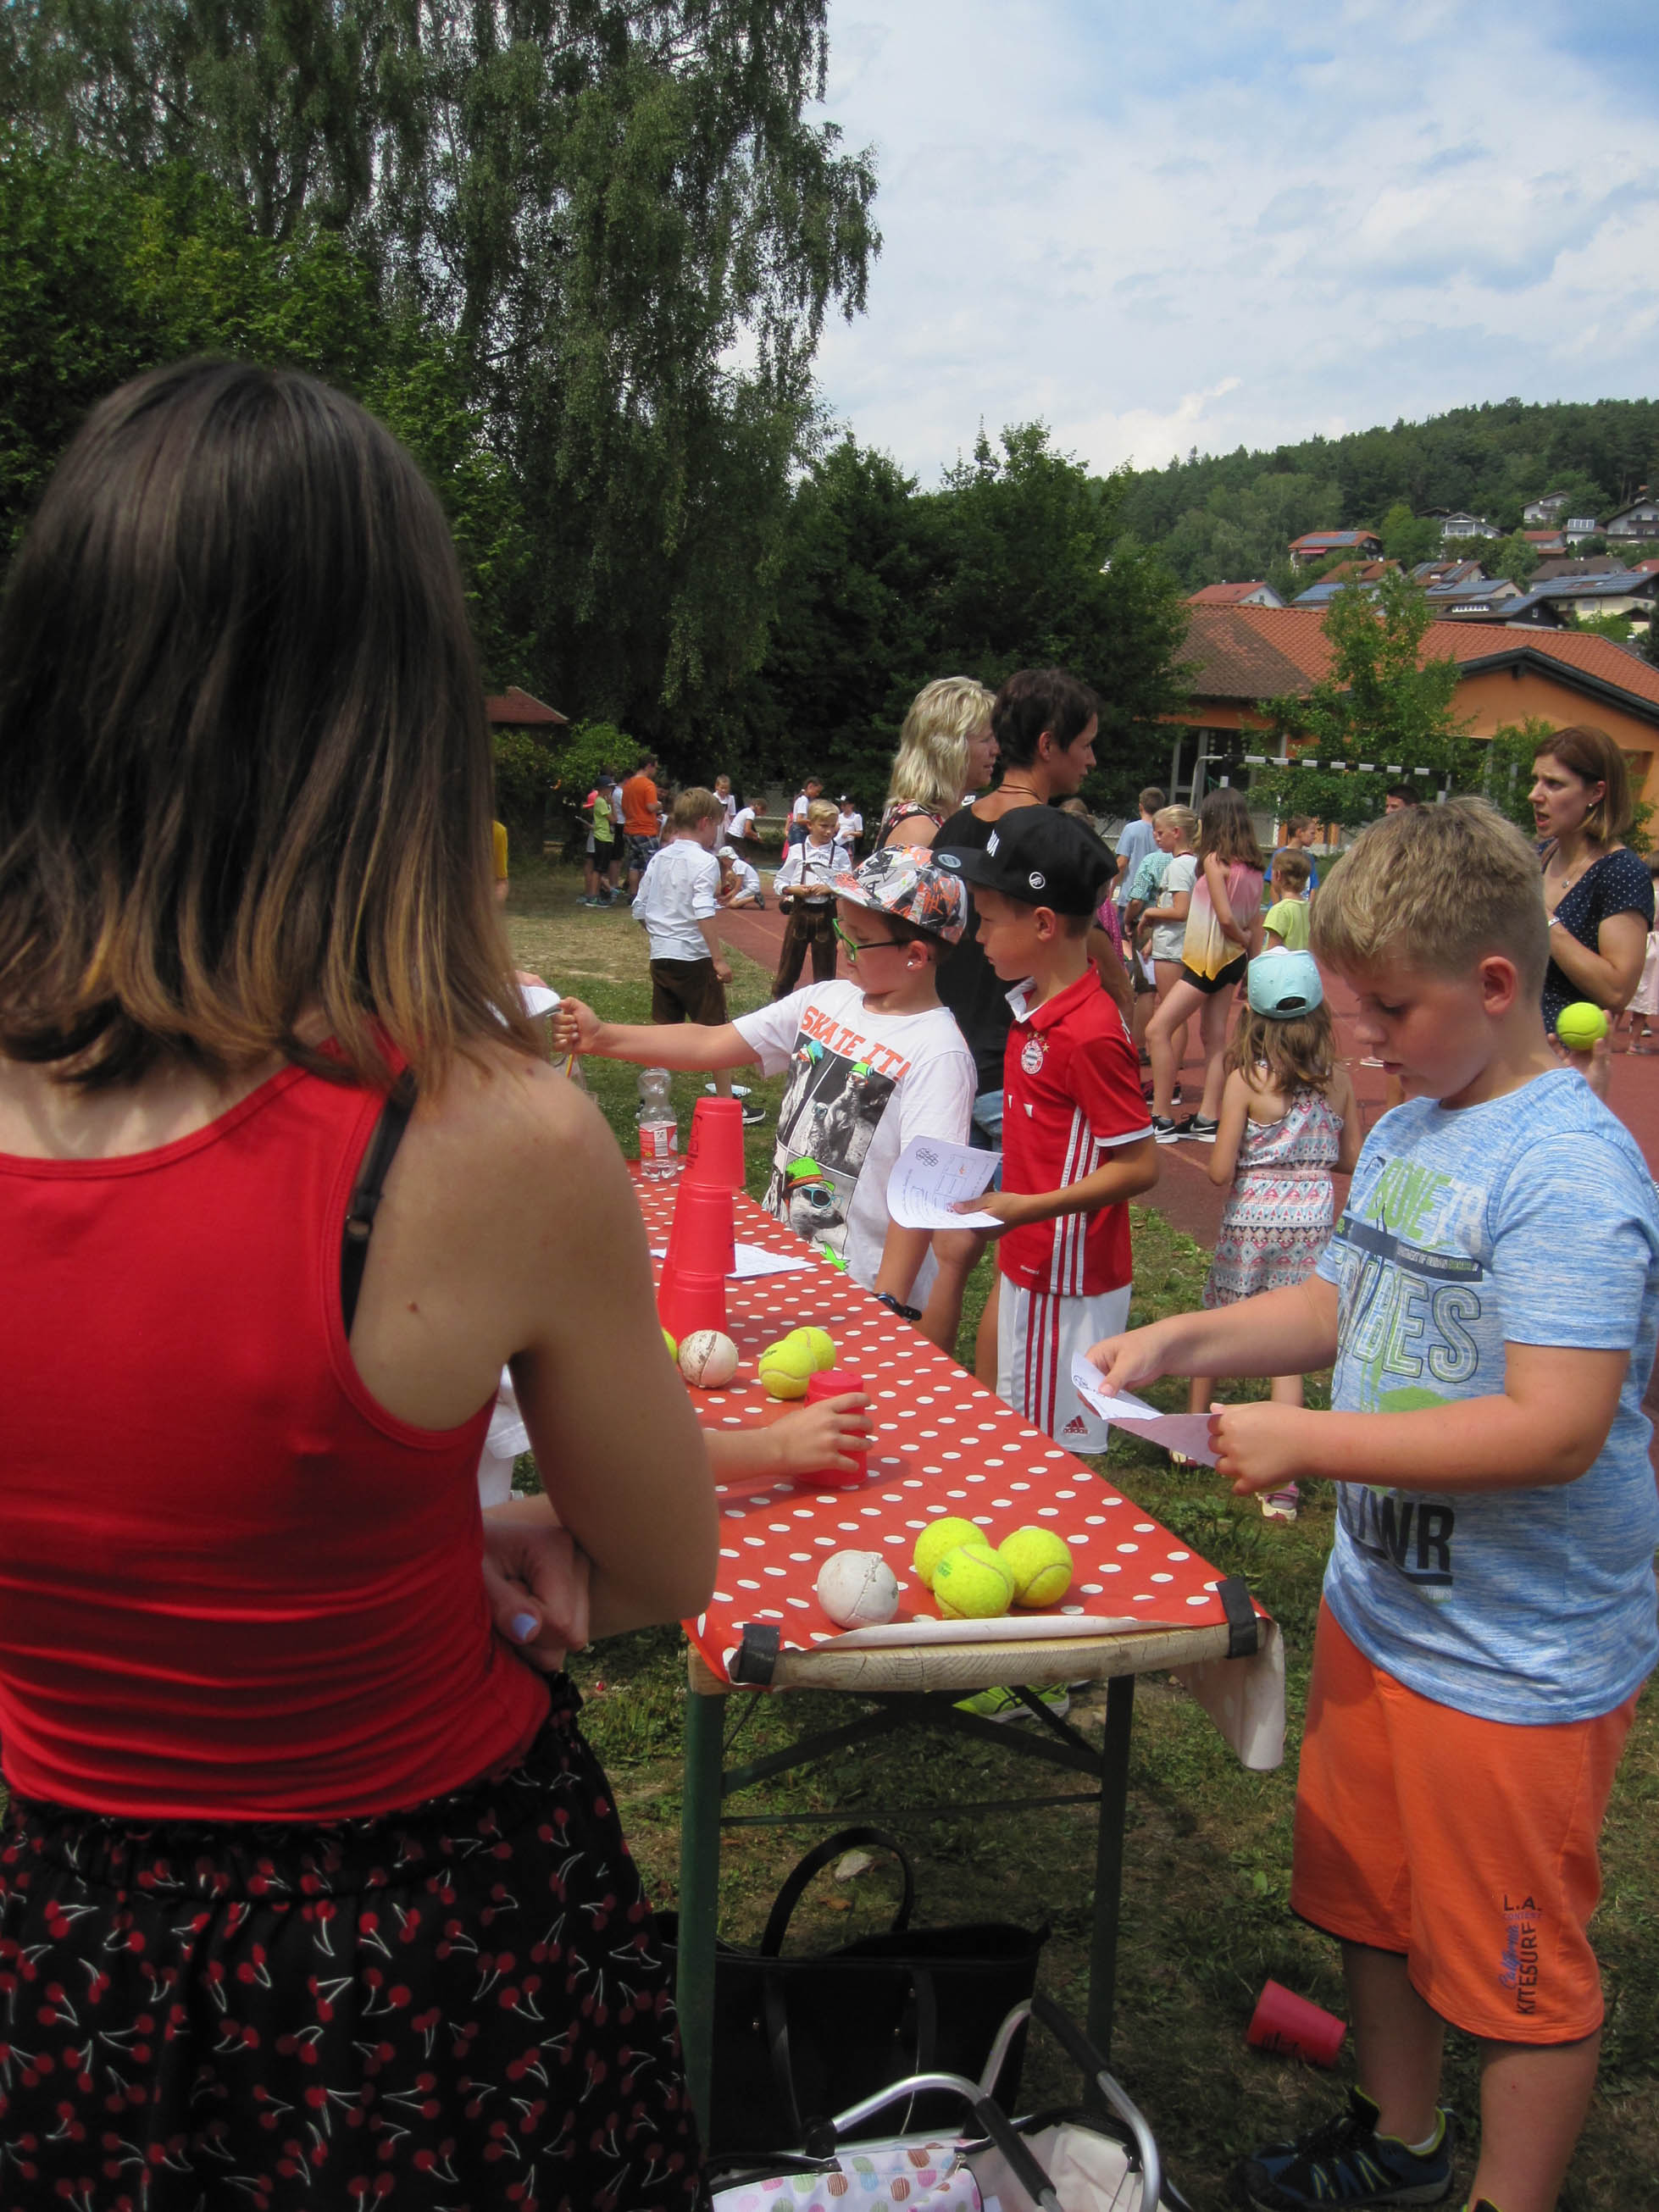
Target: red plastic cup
1288,2024
713,1150
702,1238
835,1383
690,1298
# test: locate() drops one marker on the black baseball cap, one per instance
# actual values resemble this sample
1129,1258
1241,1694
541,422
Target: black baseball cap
1040,856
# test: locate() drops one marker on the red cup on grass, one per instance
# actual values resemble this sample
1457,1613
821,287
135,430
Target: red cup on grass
714,1152
1288,2024
690,1298
835,1383
701,1236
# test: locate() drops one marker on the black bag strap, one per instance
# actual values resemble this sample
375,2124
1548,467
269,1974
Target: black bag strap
1243,1633
814,1862
774,1973
368,1190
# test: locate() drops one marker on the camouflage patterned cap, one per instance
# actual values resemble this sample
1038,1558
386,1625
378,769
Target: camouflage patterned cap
908,883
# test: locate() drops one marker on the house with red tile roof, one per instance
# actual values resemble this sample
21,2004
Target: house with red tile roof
1235,658
1235,595
1316,545
514,709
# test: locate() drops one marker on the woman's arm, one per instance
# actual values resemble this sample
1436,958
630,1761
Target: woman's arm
1609,973
1230,1129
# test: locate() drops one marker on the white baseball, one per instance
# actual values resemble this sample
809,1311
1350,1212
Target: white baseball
707,1358
857,1589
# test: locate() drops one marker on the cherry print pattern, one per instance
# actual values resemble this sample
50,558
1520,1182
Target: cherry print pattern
463,2008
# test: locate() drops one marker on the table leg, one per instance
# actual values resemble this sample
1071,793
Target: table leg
700,1871
1108,1860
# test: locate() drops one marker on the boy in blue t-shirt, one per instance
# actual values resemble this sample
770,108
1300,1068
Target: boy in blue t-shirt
1490,1301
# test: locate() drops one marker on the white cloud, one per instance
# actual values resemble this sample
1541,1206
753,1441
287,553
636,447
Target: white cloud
1232,225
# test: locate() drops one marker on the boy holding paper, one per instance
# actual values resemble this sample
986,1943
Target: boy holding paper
1490,1301
1077,1138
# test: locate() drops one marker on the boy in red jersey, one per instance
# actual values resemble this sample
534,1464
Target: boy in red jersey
1077,1139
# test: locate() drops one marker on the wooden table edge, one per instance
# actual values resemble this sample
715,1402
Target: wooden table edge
919,1668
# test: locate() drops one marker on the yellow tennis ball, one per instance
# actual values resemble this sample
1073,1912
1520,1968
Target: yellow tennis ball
971,1583
1580,1026
1040,1564
785,1368
935,1540
819,1343
673,1348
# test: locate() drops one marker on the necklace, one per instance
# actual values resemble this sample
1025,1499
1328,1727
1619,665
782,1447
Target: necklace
1020,789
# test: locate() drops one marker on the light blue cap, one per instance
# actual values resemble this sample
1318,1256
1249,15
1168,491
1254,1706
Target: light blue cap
1283,985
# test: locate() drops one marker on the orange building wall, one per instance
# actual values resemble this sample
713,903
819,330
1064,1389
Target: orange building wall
1500,694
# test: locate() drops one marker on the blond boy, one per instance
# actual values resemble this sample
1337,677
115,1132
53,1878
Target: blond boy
1488,1617
803,885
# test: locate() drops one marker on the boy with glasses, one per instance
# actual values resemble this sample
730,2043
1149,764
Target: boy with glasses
873,1060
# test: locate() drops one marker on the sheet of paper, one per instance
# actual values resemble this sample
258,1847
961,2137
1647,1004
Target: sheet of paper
753,1262
928,1178
538,999
1173,1432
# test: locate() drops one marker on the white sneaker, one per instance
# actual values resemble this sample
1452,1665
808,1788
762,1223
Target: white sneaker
739,1089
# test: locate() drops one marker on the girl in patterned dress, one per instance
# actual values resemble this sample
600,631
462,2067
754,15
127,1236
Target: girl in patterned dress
1288,1121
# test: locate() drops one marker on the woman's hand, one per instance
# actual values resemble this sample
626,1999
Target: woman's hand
1261,1447
537,1582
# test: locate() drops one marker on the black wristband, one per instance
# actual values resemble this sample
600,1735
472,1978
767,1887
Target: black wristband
904,1313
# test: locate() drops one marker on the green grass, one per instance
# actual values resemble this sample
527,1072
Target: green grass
1206,1918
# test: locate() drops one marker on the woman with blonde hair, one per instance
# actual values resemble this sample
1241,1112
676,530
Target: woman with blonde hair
945,755
287,1182
1597,894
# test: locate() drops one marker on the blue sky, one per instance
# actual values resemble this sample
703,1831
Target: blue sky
1157,226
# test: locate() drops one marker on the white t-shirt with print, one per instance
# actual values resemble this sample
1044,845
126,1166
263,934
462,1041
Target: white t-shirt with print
680,888
1168,937
860,1086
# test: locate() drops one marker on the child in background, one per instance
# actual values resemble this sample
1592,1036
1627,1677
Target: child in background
1491,1299
740,884
803,884
1286,923
1288,1121
1644,1002
1077,1143
874,1059
676,905
1224,929
1165,878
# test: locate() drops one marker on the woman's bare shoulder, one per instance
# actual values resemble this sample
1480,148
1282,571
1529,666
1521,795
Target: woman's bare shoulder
499,1122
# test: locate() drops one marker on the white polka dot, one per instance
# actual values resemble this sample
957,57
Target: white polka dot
955,1493
1146,1528
1019,1486
1091,1590
1071,1608
723,1597
777,1572
1077,1540
1179,1555
799,1603
1108,1567
1198,1601
910,1483
892,1540
779,1527
1064,1493
724,1554
1129,1547
1141,1597
828,1541
949,1455
749,1586
1164,1579
1003,1504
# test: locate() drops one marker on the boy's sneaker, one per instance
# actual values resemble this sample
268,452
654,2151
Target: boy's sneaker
1164,1130
753,1117
1200,1131
1000,1705
739,1089
1346,2162
1148,1094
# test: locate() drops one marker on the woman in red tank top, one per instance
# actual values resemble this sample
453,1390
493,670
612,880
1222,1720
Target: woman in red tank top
310,1891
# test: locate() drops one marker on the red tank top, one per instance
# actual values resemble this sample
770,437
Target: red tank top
232,1586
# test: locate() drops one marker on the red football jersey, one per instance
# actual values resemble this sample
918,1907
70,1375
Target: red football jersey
1070,1092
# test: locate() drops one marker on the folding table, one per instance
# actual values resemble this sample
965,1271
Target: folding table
944,1444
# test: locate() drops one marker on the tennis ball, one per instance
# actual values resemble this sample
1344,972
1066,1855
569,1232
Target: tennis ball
673,1348
1040,1564
857,1589
971,1583
935,1540
785,1368
708,1358
819,1343
1580,1026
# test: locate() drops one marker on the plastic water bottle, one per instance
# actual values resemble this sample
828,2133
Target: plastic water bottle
660,1134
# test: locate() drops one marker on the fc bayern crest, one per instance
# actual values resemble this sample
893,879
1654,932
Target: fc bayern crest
1030,1055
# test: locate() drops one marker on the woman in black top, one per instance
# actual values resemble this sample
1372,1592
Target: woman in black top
1598,894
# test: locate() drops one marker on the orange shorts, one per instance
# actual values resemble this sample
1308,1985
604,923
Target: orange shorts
1468,1846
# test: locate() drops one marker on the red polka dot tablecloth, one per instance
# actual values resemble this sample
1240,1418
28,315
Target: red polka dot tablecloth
944,1444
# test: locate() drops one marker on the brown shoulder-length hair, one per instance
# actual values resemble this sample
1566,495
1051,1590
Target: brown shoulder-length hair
245,771
1297,1053
1593,756
1225,830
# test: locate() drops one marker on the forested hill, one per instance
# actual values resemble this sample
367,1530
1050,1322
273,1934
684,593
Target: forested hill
1230,516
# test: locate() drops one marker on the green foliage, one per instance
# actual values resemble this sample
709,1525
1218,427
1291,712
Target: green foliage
1230,516
521,779
1615,628
1378,712
589,747
1506,769
1514,559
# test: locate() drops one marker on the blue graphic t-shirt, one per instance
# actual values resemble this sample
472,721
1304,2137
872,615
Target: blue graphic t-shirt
1529,1219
